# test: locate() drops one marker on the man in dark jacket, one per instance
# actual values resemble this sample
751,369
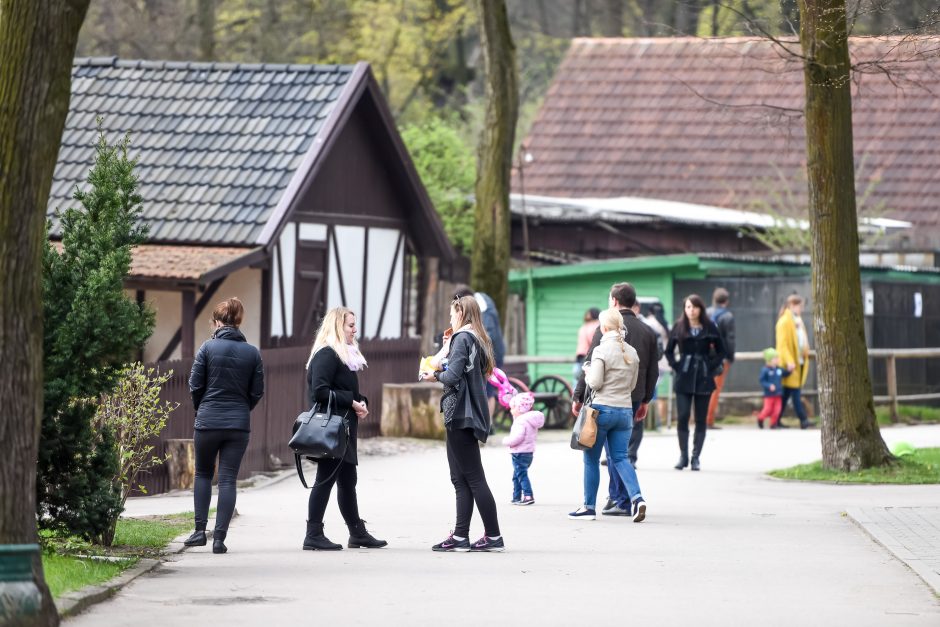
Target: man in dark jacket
643,339
724,319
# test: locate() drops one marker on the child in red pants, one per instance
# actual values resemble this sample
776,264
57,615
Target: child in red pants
771,379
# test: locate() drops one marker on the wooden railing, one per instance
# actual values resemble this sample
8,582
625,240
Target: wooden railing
890,355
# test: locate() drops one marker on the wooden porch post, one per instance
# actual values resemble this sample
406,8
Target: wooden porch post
187,320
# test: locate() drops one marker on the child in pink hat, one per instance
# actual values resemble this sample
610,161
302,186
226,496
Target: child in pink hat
526,423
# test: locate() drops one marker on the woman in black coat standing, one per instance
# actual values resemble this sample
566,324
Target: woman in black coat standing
226,382
332,368
701,354
467,423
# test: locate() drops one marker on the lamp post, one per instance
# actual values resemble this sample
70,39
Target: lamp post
525,158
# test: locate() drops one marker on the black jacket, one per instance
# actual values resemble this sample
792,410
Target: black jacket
700,359
643,340
227,381
466,377
328,372
725,321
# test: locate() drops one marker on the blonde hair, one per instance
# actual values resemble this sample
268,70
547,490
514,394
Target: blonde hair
612,320
330,334
469,312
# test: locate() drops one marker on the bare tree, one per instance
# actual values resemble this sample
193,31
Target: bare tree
490,260
850,436
37,44
612,25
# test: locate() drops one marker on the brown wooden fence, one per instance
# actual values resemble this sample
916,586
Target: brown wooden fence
285,396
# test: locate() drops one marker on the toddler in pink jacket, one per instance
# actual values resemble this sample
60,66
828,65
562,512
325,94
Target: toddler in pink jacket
521,442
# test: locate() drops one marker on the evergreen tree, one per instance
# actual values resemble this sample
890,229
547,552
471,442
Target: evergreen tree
91,329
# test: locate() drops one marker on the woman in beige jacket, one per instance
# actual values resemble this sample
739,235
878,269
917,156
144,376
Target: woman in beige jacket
611,374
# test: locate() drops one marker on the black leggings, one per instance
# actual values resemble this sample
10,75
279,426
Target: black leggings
466,473
684,405
345,479
229,445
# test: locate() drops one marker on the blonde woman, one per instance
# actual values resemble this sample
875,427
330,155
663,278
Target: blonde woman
334,363
793,348
467,422
612,374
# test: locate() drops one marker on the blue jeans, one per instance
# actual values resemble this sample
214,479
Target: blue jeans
793,393
614,426
616,489
520,475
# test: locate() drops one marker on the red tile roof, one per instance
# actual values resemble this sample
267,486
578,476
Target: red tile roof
184,263
681,119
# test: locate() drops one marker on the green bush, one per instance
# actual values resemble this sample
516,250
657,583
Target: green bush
447,167
91,329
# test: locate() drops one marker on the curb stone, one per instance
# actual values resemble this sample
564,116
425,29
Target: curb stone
72,603
77,601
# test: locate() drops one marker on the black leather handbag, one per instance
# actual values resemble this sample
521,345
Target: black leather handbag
319,434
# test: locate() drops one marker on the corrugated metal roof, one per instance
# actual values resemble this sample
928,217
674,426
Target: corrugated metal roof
204,153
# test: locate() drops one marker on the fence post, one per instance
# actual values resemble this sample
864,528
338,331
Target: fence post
892,372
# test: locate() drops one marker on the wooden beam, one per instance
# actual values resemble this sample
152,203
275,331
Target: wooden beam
365,278
188,320
343,219
265,339
388,287
331,235
200,305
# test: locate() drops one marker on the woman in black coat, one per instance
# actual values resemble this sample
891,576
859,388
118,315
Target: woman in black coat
226,382
332,369
701,353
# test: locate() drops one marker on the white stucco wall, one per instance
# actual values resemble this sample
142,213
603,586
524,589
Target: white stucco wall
244,284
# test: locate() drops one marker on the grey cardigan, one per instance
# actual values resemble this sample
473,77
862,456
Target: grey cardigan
466,365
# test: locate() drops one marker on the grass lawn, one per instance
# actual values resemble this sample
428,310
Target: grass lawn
908,414
134,538
921,467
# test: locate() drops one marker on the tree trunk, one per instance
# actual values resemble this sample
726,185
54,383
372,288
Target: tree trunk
687,17
613,18
490,261
271,44
206,20
850,436
37,43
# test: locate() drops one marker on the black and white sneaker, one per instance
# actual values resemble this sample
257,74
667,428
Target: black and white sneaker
639,510
582,513
452,544
487,544
615,510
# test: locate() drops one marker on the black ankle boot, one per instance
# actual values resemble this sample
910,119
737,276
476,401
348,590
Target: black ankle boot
316,541
197,539
359,538
683,461
695,464
218,541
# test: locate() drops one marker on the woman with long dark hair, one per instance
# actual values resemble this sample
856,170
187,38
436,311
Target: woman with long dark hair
701,353
226,382
467,423
332,369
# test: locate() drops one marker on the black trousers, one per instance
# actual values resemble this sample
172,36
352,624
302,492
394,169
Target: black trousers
466,473
684,405
229,445
345,479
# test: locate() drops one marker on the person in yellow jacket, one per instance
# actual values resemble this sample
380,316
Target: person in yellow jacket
793,349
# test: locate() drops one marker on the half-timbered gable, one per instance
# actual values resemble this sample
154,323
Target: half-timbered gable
285,185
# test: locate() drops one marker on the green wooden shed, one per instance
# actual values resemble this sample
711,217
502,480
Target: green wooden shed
902,304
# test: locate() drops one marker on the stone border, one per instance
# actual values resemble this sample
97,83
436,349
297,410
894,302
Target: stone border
77,601
882,537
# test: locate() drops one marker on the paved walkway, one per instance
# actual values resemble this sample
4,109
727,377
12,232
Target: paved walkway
724,545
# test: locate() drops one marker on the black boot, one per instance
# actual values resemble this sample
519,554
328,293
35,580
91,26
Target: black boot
697,445
198,538
218,541
359,538
316,541
683,451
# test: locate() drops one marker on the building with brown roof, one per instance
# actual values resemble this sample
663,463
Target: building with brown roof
719,123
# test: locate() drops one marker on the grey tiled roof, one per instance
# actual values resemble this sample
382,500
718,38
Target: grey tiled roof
216,143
